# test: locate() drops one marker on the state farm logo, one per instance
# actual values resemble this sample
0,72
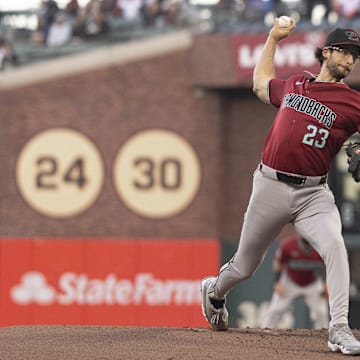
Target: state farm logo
79,289
33,289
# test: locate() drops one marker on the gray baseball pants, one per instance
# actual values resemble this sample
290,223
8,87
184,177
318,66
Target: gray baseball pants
312,210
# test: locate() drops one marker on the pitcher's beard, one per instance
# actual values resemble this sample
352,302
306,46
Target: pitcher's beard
336,73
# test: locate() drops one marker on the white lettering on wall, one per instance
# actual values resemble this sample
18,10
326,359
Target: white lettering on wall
293,54
79,289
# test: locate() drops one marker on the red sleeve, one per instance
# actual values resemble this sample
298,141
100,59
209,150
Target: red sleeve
276,91
281,252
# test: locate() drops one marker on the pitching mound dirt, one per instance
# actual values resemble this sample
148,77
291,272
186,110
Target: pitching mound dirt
115,343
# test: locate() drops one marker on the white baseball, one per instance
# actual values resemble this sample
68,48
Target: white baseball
284,21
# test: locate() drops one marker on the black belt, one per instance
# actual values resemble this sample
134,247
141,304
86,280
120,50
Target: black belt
289,179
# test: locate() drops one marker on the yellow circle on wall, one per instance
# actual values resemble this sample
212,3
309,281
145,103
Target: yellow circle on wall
157,173
60,172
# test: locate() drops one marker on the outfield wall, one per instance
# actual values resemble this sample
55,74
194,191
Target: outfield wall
122,144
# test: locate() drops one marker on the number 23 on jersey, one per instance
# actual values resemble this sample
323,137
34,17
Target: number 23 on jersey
316,136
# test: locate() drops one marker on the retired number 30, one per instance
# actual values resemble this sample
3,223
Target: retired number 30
166,172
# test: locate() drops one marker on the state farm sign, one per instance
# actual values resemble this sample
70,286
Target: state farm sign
80,289
294,54
104,282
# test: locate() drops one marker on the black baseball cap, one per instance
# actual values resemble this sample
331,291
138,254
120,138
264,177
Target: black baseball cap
341,36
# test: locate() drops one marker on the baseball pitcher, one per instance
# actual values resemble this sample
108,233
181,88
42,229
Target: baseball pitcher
316,115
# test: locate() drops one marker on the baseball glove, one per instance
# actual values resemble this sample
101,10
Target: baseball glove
353,153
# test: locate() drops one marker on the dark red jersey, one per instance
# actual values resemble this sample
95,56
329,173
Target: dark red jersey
314,120
302,267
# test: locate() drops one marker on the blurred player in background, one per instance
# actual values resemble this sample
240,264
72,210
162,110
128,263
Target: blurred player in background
298,271
316,115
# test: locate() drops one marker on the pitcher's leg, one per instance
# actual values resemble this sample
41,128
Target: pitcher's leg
267,213
323,231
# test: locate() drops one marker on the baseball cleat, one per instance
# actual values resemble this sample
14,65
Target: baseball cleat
214,310
342,339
